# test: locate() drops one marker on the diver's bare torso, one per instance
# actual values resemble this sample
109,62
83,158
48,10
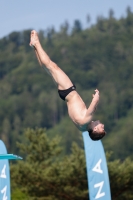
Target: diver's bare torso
77,111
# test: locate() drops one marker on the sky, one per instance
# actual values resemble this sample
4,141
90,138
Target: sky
16,15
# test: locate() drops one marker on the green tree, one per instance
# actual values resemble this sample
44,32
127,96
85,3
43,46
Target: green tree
45,175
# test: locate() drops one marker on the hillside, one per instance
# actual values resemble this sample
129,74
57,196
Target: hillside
98,57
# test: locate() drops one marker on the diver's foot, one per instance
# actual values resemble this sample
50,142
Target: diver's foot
34,39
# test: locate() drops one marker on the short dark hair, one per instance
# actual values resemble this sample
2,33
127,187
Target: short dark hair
96,136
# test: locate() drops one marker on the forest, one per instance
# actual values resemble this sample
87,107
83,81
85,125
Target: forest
34,122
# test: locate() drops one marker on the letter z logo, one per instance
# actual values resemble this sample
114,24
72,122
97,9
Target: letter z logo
99,194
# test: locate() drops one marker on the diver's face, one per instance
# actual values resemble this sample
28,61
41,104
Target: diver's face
97,126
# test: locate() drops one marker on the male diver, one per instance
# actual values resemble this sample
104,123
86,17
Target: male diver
77,110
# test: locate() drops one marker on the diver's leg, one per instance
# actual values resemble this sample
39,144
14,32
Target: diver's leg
62,80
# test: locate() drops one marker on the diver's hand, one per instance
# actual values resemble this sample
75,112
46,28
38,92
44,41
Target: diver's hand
96,96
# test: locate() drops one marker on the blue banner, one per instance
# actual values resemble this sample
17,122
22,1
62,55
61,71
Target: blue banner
4,175
97,172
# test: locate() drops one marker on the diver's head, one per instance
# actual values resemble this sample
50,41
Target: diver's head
96,130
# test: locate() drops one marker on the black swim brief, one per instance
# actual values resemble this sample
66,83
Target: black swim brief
64,93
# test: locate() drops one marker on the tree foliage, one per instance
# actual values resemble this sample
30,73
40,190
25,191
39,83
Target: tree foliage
97,57
45,175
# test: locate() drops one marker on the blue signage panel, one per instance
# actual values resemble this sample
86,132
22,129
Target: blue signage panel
97,172
10,157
